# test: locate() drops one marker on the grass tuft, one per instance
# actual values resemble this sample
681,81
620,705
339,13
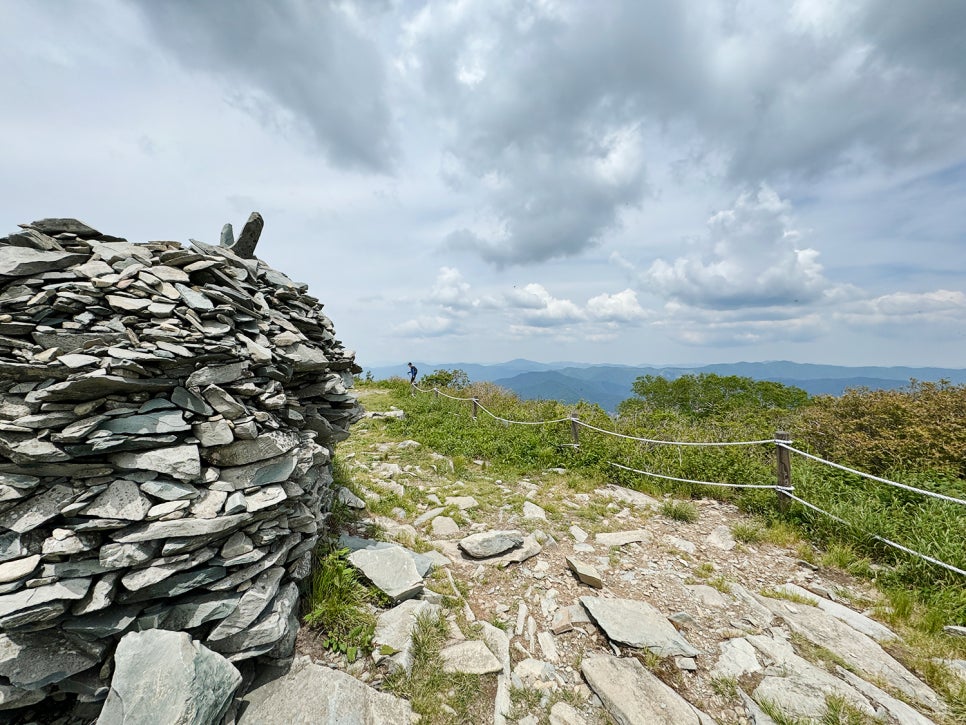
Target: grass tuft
675,510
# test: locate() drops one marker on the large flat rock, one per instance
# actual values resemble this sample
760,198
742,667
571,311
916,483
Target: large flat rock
163,676
633,696
491,543
637,624
856,649
390,569
311,694
865,625
31,660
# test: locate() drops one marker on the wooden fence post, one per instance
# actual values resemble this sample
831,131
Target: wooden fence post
784,471
575,430
474,408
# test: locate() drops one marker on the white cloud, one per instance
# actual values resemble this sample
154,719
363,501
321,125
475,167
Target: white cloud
620,307
536,307
750,258
451,290
428,326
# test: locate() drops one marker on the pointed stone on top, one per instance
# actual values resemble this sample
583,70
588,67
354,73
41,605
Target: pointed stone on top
248,239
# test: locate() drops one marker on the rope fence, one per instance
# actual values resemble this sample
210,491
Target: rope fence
783,488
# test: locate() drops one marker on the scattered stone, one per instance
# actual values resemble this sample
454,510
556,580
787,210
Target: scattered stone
350,499
622,538
563,714
491,543
637,624
471,657
443,526
631,694
390,569
580,536
463,503
394,629
865,625
586,573
310,693
532,511
721,538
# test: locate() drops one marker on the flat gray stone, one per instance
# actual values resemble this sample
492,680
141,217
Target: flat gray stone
213,433
311,693
194,299
394,629
491,543
350,499
390,569
189,401
169,490
197,610
444,526
721,538
122,500
737,658
276,621
637,624
11,571
224,403
463,503
59,590
633,696
428,515
116,556
532,511
181,462
251,605
162,421
24,261
856,649
622,538
240,453
31,660
629,496
216,375
471,657
273,470
162,676
795,685
36,510
585,572
180,528
865,625
903,713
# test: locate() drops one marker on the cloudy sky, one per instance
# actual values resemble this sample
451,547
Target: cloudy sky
479,180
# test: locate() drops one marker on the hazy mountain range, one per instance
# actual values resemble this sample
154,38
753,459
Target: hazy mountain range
608,385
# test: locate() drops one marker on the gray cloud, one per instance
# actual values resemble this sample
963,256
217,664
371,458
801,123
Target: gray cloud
290,63
528,93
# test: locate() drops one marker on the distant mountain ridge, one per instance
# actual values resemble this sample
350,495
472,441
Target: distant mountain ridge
608,385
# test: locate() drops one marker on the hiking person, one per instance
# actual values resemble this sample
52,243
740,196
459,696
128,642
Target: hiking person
412,373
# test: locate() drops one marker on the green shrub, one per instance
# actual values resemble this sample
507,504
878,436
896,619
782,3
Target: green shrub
337,606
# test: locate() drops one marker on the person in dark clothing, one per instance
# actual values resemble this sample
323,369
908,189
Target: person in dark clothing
412,373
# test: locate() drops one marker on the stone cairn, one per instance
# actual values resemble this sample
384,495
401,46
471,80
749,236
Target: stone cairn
167,421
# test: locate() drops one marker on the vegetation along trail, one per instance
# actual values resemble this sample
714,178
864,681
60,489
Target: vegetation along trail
539,583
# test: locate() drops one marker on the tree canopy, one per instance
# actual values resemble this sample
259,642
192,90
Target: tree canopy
707,394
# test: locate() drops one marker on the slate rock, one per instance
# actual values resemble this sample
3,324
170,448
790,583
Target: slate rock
490,543
122,500
23,261
167,421
443,526
622,538
162,676
637,624
390,569
240,453
471,657
394,630
311,693
182,462
31,660
586,573
633,696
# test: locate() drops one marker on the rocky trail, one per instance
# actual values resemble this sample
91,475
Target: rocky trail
590,605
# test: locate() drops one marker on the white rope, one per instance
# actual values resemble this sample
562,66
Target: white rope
673,443
451,397
906,549
520,422
703,483
952,499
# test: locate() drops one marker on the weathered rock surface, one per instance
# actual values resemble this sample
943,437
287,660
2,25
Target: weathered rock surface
632,695
637,624
311,694
188,683
168,415
491,543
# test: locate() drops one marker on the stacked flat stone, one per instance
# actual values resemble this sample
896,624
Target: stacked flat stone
167,418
